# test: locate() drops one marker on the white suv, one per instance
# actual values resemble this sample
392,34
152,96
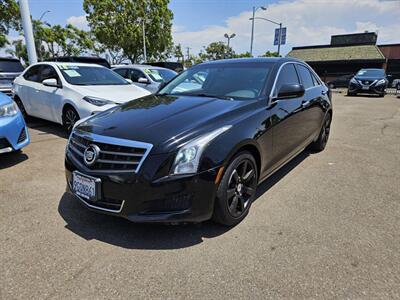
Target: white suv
66,92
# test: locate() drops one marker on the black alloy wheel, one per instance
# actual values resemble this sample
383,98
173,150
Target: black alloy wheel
70,116
323,137
237,190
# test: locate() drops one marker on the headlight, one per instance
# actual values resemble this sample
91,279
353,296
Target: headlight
8,110
97,101
353,80
188,157
380,82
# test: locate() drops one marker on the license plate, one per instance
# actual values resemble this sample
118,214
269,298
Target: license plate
365,87
85,186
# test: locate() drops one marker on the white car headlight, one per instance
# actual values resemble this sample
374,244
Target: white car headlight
8,110
380,82
97,101
188,157
353,80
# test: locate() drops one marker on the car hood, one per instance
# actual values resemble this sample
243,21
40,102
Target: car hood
166,122
116,93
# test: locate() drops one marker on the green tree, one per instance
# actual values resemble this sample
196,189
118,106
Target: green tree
242,55
18,50
216,50
117,24
9,19
269,54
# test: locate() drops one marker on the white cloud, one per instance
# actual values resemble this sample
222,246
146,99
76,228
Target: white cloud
308,22
79,22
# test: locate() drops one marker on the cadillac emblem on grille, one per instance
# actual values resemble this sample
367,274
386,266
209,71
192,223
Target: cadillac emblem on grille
91,154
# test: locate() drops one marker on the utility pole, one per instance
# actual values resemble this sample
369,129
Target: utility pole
28,33
229,37
252,26
280,39
144,41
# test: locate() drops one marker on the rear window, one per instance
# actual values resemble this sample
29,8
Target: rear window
11,66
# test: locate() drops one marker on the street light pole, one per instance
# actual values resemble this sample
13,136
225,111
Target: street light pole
144,42
280,30
27,26
252,27
229,37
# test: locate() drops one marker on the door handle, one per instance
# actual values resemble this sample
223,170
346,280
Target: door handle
305,104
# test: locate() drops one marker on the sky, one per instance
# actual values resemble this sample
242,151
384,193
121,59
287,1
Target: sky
309,22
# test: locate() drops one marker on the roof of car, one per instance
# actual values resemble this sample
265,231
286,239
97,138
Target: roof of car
56,63
137,66
254,60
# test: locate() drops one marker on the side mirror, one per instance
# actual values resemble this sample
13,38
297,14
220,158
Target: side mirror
129,80
288,91
143,80
51,82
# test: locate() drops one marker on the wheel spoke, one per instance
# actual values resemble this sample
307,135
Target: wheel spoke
244,168
230,193
248,190
249,175
235,175
233,206
241,203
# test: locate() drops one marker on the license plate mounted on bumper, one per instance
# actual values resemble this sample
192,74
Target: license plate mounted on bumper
86,187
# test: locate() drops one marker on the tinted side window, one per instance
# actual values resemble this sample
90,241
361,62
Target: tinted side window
33,74
287,75
121,72
135,75
305,76
48,72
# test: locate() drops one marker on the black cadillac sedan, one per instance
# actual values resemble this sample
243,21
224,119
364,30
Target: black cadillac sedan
199,147
369,81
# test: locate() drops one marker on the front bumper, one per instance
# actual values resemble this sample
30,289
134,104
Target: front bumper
368,89
13,133
138,199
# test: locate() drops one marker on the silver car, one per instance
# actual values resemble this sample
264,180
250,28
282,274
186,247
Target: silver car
10,68
144,76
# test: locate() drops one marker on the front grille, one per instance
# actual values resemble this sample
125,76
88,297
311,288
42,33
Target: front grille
126,156
4,143
109,204
22,136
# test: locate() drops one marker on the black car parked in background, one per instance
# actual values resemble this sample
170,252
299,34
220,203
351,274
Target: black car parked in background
82,59
10,68
370,81
342,81
198,149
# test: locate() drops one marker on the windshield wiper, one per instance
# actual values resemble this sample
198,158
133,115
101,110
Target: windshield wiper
212,96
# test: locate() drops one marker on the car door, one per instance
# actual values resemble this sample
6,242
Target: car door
285,119
29,90
50,97
312,112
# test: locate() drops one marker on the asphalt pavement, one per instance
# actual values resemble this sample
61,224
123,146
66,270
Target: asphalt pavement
325,226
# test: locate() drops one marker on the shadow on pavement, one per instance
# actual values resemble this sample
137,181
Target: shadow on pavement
123,233
8,160
46,127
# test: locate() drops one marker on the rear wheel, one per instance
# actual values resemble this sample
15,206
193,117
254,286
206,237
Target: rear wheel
350,93
70,116
237,190
320,143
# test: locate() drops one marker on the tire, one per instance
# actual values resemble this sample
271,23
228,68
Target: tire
69,118
21,107
320,144
332,86
350,94
238,185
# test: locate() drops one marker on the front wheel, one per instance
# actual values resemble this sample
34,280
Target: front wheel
70,116
237,190
21,107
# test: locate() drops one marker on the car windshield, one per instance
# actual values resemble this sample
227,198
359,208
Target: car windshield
371,73
10,66
234,81
90,75
160,75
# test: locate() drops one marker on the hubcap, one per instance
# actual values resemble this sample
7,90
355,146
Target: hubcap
241,188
